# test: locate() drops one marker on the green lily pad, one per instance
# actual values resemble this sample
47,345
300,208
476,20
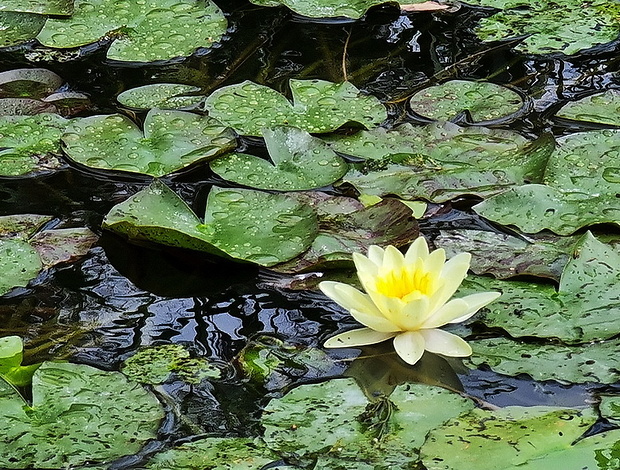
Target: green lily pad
161,95
610,409
504,256
581,187
235,453
328,8
11,357
154,365
300,162
335,420
41,7
29,142
318,107
172,140
239,223
79,415
602,108
28,83
536,438
567,27
16,27
442,161
597,362
584,308
144,31
24,107
19,264
483,101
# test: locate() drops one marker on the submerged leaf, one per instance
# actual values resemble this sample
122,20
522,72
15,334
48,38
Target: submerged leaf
318,106
28,83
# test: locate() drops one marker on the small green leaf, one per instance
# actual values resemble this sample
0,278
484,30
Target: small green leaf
602,108
161,95
172,140
19,264
11,357
328,8
300,162
318,107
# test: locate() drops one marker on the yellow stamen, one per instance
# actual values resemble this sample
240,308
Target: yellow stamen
405,281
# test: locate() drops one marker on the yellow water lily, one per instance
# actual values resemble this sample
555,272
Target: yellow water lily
407,298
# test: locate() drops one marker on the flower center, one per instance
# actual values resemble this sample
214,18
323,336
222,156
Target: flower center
406,281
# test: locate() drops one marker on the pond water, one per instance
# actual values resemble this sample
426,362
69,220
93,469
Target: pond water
122,297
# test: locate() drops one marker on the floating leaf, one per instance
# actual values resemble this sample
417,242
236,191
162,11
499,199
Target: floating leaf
581,188
171,140
24,107
318,106
483,101
79,415
16,27
610,409
535,437
19,264
300,162
602,108
161,95
28,143
242,224
63,245
328,8
234,453
28,83
442,160
21,226
567,27
597,362
143,31
42,7
11,357
585,307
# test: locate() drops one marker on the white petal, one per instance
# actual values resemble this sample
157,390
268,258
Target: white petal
366,270
359,337
375,254
475,303
442,342
454,309
418,249
435,262
452,274
413,314
358,304
409,346
393,260
390,307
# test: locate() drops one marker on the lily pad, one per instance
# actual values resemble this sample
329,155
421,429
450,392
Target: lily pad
28,83
610,409
11,357
318,107
564,27
22,226
536,438
597,362
442,161
328,8
63,245
483,101
581,188
162,96
584,308
19,264
16,27
601,108
29,143
172,140
300,161
235,453
240,224
79,415
24,107
144,31
41,7
335,420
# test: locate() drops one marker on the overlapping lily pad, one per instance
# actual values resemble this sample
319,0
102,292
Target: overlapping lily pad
584,308
483,101
144,31
41,7
240,224
597,362
328,8
171,141
581,188
300,161
79,415
568,26
30,143
30,83
16,27
601,108
441,161
162,96
536,438
318,106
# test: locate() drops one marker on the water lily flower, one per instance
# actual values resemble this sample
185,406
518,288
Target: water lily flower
407,298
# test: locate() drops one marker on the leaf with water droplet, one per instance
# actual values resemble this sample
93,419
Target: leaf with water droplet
161,95
18,27
318,106
19,264
300,161
329,9
581,187
11,357
172,140
602,108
